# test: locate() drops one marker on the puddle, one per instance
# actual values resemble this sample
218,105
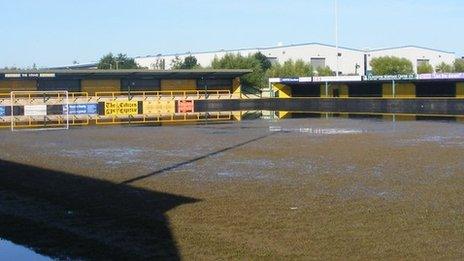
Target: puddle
11,251
316,131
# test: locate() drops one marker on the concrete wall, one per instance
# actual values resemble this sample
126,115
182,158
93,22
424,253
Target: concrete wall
374,105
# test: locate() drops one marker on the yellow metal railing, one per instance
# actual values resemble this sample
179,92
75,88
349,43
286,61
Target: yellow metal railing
376,98
160,94
4,97
46,96
172,118
57,121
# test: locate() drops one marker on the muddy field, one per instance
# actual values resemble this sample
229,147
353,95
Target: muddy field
296,188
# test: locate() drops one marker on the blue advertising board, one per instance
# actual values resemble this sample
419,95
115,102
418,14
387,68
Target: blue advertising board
289,80
77,109
2,111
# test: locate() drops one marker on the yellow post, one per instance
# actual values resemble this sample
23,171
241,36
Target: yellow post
324,91
237,115
284,114
237,87
283,90
343,90
402,90
460,90
387,90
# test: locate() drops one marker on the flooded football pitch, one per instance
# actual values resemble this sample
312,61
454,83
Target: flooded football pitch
299,188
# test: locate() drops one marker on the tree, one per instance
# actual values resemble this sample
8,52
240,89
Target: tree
459,65
189,62
390,65
159,64
291,68
237,61
424,68
121,61
263,60
324,71
176,63
444,68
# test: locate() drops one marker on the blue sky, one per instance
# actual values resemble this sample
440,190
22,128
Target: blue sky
57,32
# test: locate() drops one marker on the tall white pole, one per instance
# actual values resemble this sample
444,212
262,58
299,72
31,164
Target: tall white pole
336,34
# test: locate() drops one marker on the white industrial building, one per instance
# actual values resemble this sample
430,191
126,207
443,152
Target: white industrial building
415,54
350,61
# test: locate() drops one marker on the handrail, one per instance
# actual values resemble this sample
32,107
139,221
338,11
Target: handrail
159,94
374,98
169,118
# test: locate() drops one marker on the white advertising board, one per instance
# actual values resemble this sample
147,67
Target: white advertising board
35,110
337,79
432,76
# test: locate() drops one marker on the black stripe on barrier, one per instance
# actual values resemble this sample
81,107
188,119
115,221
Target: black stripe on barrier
55,109
140,107
17,110
101,108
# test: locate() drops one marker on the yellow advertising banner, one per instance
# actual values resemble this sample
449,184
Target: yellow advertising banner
121,108
159,107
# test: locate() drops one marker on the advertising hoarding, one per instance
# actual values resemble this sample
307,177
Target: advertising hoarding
184,106
159,107
79,109
35,110
119,108
443,76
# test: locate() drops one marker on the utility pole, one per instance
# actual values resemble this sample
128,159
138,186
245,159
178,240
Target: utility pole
336,34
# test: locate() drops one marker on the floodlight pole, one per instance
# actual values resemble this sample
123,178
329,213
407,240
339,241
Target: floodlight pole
336,34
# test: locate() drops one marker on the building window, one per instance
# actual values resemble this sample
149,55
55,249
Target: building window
318,62
421,62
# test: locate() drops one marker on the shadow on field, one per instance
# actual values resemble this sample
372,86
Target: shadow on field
211,154
68,216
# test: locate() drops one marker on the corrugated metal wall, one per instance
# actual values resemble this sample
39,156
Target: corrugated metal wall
65,85
141,84
215,84
17,85
92,86
431,89
182,85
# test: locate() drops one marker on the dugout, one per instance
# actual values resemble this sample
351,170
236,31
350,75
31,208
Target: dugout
92,81
359,87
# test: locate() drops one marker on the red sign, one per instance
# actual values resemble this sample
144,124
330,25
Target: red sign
184,106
